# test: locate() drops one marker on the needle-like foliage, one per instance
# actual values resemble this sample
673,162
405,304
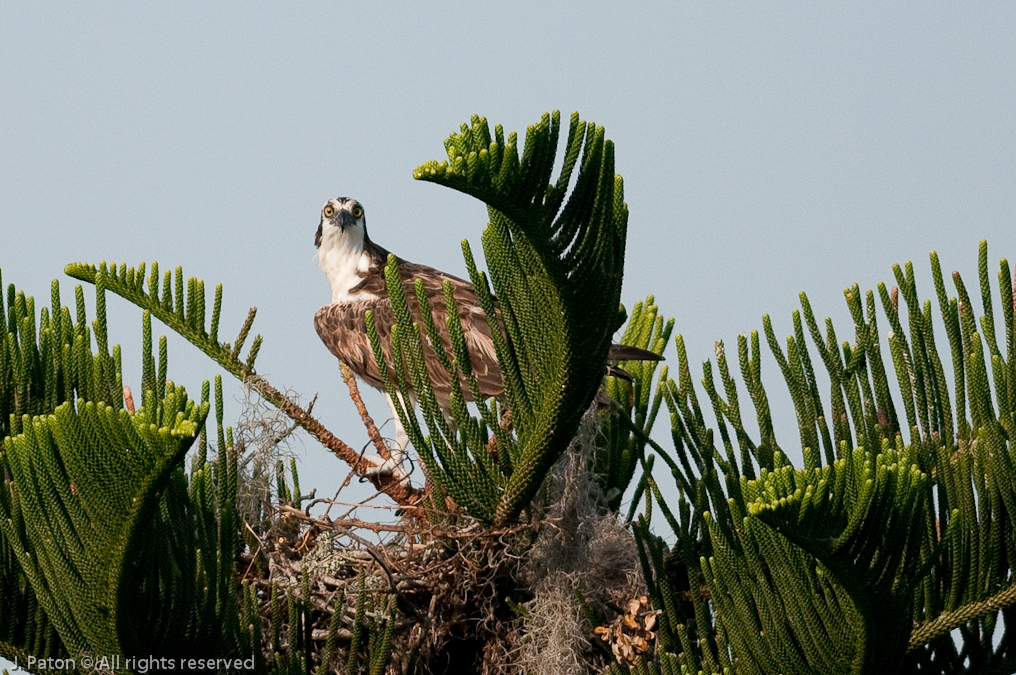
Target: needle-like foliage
895,533
556,269
107,544
182,307
109,548
624,437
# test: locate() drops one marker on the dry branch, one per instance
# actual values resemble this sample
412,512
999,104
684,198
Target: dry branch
402,492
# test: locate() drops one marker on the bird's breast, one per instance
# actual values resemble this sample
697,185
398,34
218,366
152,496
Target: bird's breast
347,272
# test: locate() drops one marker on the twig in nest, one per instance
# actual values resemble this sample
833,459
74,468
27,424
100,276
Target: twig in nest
337,523
357,505
254,555
406,527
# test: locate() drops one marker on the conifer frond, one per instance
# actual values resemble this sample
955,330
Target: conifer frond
899,517
94,503
90,521
184,312
636,404
556,271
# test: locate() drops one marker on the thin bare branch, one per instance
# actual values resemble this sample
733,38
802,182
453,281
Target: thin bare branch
401,491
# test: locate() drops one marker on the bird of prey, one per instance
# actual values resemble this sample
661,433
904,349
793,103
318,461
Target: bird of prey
355,266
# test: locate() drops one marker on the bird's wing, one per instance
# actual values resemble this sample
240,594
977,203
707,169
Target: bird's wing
482,355
343,329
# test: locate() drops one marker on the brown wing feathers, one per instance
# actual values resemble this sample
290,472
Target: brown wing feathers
343,328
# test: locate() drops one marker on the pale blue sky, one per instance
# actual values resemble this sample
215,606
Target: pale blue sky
766,149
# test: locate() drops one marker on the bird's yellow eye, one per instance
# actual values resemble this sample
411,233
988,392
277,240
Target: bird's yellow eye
329,211
357,211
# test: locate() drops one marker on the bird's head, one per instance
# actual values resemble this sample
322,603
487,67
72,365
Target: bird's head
342,246
342,225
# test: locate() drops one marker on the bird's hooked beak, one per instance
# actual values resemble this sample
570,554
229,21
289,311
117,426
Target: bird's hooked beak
345,219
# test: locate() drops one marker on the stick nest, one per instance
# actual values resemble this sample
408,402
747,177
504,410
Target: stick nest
459,597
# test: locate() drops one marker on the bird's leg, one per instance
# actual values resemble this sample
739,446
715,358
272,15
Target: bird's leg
397,450
382,463
392,465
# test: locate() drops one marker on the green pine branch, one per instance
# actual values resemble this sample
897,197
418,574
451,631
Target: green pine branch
181,310
899,517
181,307
96,513
555,267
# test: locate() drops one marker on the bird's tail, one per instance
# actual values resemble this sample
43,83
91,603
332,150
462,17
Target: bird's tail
629,353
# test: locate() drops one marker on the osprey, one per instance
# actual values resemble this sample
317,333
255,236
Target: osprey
355,266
